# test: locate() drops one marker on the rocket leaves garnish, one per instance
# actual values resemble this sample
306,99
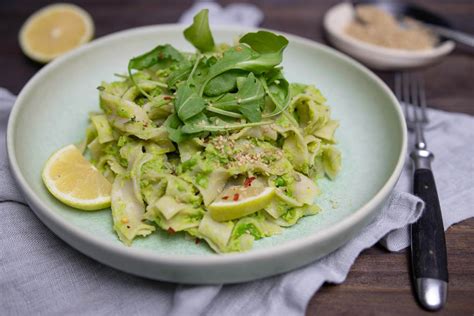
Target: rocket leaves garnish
265,43
218,88
162,54
248,100
277,88
223,83
187,102
159,54
199,34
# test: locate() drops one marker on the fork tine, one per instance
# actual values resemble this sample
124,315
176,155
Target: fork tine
398,86
415,103
409,91
399,92
421,93
405,83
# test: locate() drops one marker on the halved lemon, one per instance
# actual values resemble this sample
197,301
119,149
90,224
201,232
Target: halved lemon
75,181
239,201
55,30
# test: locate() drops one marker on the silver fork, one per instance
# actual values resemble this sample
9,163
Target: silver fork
428,245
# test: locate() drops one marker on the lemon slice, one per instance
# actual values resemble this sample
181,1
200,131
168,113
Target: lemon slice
239,201
54,30
75,181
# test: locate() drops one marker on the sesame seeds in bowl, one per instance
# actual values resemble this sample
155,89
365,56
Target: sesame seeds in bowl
336,22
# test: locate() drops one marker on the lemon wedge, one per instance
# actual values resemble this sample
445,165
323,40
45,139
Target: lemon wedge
75,181
55,30
239,201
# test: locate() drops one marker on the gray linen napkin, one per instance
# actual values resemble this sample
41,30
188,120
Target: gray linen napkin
245,14
42,275
450,136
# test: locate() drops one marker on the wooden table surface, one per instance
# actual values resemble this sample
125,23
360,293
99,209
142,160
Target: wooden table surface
378,282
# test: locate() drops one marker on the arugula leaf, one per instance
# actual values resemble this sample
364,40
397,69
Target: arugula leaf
179,74
270,48
278,89
194,124
248,100
199,33
186,72
265,42
251,112
173,126
210,108
223,83
188,103
230,60
262,51
160,54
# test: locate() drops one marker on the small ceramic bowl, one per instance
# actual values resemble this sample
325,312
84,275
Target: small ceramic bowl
377,57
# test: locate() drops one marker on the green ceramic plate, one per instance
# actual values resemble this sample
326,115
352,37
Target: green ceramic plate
51,112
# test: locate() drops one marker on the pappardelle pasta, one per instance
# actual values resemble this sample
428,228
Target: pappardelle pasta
216,144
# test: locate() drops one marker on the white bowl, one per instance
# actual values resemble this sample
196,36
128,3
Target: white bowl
377,57
51,112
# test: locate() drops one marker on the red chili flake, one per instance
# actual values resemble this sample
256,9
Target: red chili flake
197,241
167,97
225,197
171,231
248,181
160,55
238,48
236,197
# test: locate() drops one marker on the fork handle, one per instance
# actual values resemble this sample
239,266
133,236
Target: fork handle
428,245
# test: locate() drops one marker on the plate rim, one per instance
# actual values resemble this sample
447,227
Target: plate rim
291,246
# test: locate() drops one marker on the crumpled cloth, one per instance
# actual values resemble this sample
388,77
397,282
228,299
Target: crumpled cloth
245,14
41,275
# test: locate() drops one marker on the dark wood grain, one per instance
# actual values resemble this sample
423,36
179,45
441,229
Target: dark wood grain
378,283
